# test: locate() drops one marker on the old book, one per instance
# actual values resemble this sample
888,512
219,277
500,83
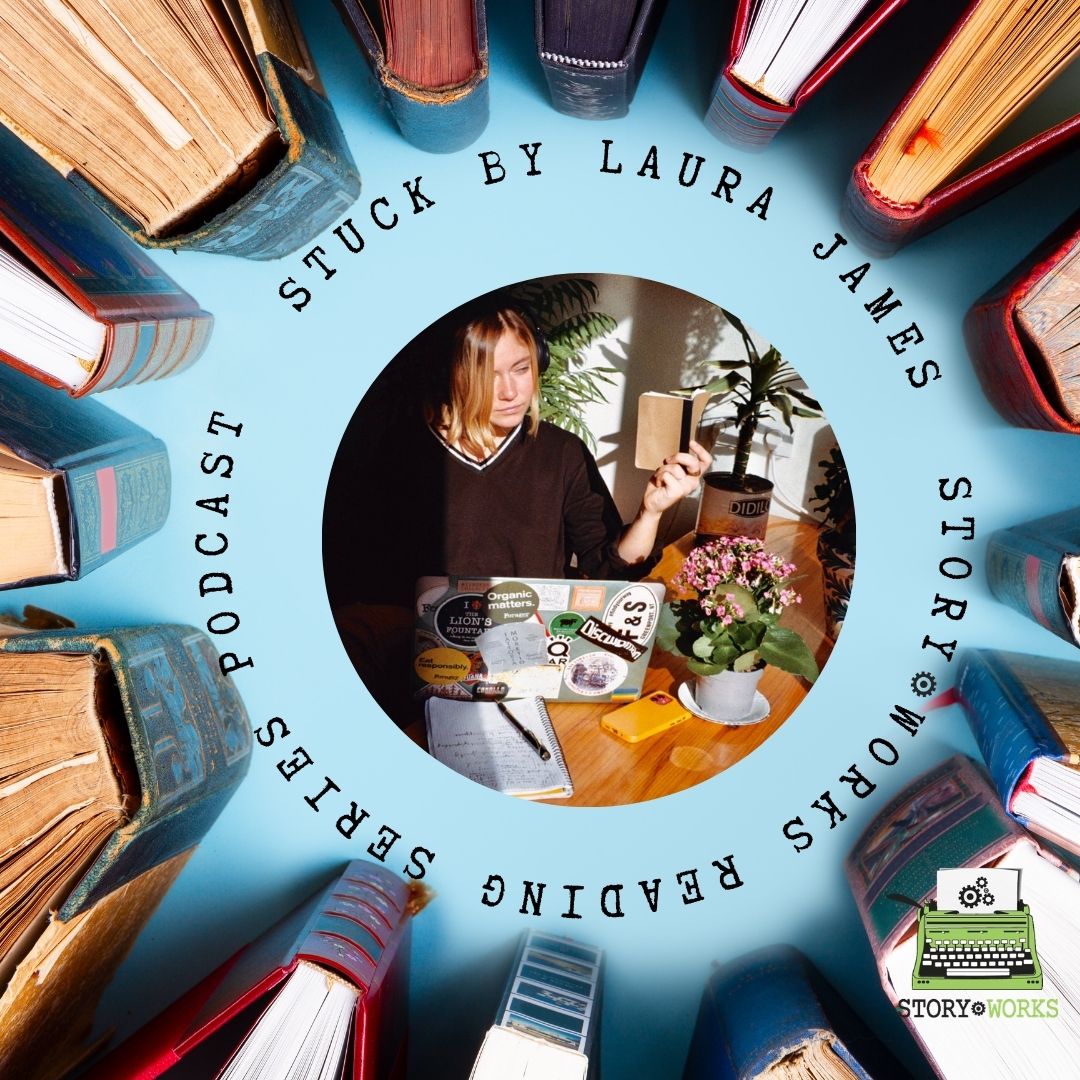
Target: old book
79,484
81,305
593,54
119,748
666,422
1024,337
1035,569
431,61
959,136
321,995
198,124
548,1023
951,892
1025,713
781,52
771,1014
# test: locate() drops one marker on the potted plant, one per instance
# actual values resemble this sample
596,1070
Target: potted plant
731,628
836,542
760,385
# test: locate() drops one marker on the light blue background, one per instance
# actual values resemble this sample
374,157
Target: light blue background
294,379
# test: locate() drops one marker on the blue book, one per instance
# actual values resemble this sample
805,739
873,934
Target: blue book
1025,714
79,484
771,1013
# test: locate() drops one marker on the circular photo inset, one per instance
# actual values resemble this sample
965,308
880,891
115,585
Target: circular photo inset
589,540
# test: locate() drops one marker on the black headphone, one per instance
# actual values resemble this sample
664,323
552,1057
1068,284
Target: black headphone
501,300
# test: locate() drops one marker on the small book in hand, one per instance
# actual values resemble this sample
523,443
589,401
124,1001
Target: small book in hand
666,422
475,739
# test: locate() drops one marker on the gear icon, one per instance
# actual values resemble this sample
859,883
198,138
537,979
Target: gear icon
978,1008
970,895
923,684
987,897
981,882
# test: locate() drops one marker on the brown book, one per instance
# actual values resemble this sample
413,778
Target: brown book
117,751
666,424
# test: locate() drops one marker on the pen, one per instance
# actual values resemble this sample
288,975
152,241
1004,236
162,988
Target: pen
526,734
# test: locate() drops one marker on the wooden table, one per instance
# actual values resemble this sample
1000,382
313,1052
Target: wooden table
610,772
607,771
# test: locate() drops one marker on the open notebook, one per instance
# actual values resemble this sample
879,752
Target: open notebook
474,739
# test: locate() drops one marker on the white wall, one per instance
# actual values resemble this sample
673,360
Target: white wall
665,339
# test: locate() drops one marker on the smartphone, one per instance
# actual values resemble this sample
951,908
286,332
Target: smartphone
647,716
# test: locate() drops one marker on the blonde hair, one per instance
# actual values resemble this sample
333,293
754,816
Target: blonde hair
464,416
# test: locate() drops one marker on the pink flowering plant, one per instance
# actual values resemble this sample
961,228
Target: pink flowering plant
733,622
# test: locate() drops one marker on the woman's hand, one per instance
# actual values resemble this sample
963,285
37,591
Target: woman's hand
678,477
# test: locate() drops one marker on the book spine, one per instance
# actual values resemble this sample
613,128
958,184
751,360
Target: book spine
1007,724
950,816
1023,572
140,351
743,118
438,121
1013,371
599,90
307,191
189,735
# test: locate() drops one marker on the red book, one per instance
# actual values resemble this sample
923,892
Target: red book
341,957
110,316
746,116
1023,332
881,222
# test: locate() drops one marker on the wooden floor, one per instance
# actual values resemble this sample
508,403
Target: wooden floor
610,772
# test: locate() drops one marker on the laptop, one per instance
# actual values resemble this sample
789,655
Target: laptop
559,639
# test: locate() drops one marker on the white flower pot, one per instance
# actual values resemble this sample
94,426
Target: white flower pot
728,695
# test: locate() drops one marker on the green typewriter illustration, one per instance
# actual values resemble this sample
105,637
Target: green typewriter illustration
978,946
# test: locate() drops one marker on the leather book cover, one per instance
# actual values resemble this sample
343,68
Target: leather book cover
358,926
189,735
882,226
741,115
766,1007
439,121
153,327
114,474
1034,568
599,90
309,188
1010,365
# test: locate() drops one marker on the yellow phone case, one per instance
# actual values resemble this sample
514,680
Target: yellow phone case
648,716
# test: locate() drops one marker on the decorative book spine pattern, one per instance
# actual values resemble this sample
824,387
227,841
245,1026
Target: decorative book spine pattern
116,498
599,89
189,734
1008,726
950,816
140,351
1024,572
742,117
